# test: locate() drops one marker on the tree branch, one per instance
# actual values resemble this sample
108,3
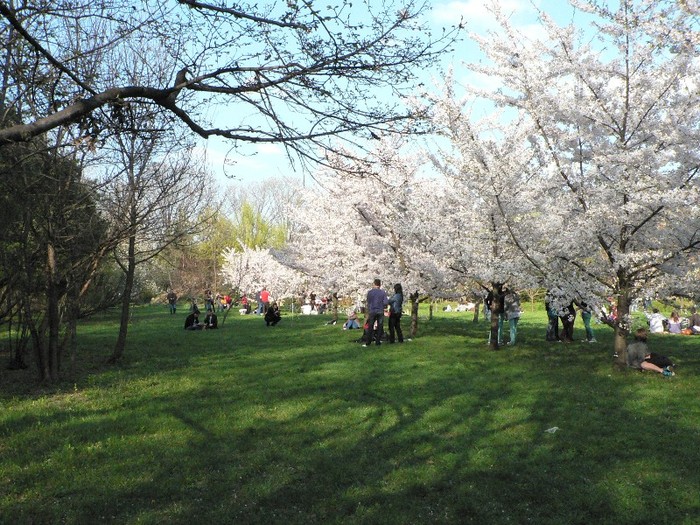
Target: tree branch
9,15
239,14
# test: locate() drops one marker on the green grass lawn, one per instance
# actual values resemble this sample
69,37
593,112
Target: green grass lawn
299,424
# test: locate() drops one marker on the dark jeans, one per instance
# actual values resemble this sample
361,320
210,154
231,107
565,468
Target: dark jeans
567,333
375,335
395,325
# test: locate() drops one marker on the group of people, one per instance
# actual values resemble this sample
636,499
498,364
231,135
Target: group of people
379,305
659,324
567,315
504,302
311,304
210,322
212,303
501,301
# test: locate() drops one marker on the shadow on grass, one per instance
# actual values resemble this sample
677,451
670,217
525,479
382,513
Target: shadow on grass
296,424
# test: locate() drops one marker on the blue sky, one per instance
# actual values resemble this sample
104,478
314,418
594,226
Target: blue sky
270,160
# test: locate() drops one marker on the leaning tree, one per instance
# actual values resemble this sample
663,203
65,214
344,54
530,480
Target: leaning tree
295,73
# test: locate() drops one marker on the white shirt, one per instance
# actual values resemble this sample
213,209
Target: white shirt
656,323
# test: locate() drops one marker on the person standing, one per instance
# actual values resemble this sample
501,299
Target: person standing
208,300
172,301
512,312
258,303
553,319
395,311
495,301
376,303
265,298
586,314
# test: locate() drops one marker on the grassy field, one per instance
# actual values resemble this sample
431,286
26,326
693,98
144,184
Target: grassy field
299,424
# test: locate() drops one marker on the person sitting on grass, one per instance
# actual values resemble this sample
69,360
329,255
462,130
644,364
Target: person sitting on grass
638,356
674,323
656,321
211,321
694,321
272,315
351,323
192,321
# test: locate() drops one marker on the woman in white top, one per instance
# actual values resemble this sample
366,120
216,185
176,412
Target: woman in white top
656,322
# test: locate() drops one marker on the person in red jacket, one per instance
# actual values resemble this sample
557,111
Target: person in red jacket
265,299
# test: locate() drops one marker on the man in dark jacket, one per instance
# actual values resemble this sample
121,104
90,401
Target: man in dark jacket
211,320
192,321
376,303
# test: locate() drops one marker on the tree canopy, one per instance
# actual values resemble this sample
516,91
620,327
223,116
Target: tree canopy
293,72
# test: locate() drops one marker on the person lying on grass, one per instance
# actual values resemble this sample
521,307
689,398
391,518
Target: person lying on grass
638,356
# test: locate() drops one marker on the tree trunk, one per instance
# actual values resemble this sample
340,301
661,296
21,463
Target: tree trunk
52,311
126,302
476,311
414,313
73,310
335,307
40,349
622,324
496,311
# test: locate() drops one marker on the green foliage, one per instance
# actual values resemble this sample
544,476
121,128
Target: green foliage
48,219
300,424
219,233
252,230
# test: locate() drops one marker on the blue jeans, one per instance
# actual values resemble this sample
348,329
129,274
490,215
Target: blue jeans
586,316
501,318
513,323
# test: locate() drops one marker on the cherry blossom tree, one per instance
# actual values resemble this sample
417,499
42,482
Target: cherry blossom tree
350,228
252,269
373,217
605,124
492,173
